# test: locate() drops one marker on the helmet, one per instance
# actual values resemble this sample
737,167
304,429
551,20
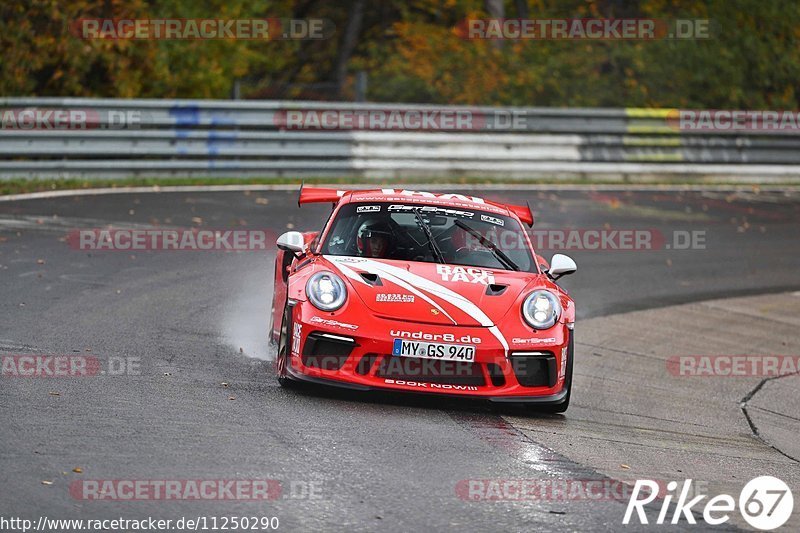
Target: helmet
374,239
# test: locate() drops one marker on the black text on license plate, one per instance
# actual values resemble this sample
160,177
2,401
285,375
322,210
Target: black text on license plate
433,350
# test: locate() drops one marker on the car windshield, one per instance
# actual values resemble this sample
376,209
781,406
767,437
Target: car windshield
400,231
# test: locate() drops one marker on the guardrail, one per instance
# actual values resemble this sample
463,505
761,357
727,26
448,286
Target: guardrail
160,138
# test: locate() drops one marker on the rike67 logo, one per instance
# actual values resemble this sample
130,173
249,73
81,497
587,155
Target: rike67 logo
765,502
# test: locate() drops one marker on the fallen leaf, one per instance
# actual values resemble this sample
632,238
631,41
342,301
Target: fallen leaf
224,383
51,393
625,467
231,398
167,373
262,201
78,470
40,261
197,220
45,482
289,225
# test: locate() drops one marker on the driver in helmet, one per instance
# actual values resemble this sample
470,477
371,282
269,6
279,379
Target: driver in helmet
374,239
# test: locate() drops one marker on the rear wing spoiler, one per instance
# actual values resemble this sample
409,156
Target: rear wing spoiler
523,212
310,195
318,195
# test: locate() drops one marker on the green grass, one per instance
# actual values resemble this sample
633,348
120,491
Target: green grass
19,186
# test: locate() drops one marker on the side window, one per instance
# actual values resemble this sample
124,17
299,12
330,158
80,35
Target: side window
315,242
341,239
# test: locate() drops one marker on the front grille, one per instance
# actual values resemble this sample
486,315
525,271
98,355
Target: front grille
534,369
366,363
496,374
326,351
430,371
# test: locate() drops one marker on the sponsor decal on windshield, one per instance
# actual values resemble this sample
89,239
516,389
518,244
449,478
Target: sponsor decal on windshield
368,209
493,220
431,209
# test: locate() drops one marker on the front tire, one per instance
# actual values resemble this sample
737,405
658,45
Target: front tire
282,358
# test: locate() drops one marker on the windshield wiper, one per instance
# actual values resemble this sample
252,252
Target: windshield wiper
498,253
437,253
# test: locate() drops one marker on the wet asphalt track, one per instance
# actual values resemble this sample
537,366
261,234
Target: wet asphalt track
196,320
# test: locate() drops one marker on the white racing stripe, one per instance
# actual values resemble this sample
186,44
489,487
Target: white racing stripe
350,273
418,282
347,271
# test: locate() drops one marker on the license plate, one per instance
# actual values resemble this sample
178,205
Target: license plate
433,350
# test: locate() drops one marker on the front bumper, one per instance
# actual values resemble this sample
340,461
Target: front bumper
323,349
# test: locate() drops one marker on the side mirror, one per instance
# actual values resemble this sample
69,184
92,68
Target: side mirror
292,241
561,265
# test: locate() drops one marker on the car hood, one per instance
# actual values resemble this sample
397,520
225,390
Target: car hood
432,293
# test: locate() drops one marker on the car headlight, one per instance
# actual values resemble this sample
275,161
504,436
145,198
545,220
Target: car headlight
326,291
541,309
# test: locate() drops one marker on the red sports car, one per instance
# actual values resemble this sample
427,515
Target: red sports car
422,292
